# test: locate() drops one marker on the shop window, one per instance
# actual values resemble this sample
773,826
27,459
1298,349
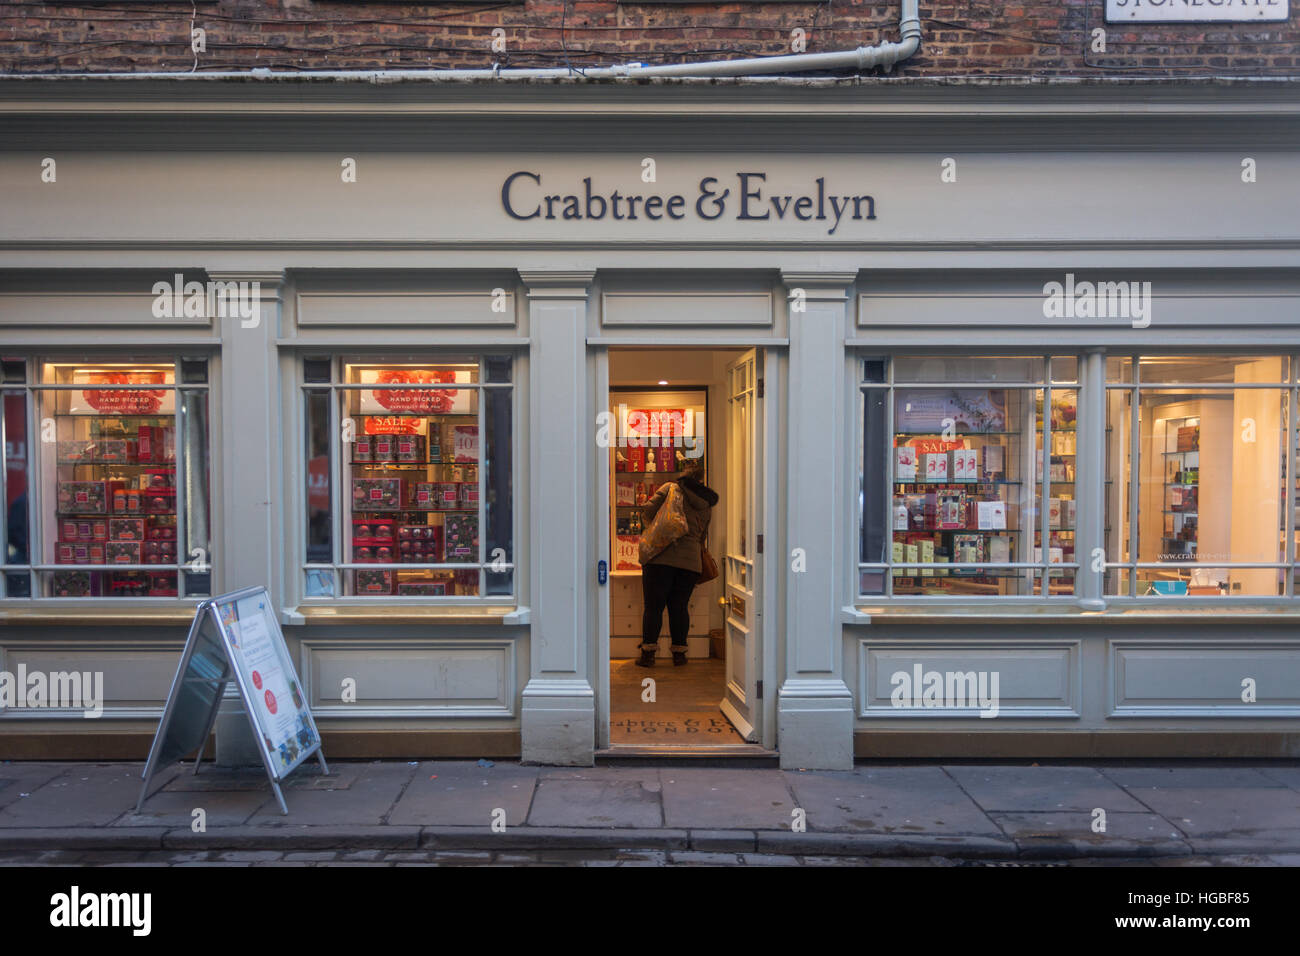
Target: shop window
106,478
1196,476
409,478
968,476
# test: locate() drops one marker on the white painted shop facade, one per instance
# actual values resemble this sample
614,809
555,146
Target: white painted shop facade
877,246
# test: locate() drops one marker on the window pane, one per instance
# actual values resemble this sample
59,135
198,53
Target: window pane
1119,406
1057,486
1119,370
498,368
876,449
1212,470
109,479
960,490
17,537
967,368
198,537
412,481
320,519
499,496
1210,369
1065,369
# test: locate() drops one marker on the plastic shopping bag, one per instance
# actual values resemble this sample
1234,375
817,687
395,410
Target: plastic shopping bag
668,524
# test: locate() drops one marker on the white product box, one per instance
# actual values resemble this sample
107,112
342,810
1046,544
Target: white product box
936,466
999,549
927,556
900,517
991,515
912,555
1053,512
1054,555
1071,516
905,463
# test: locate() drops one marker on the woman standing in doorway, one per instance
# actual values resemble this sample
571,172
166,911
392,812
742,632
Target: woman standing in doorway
668,578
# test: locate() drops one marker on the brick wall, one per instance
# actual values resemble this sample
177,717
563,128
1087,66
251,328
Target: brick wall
960,37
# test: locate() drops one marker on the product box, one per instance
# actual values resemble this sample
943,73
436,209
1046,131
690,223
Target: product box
114,451
911,554
376,494
1054,555
935,466
900,515
76,450
363,449
963,464
1189,438
666,459
926,549
999,549
1070,516
410,448
1053,512
460,537
126,529
422,588
383,448
374,582
991,515
636,459
123,552
82,497
158,500
968,549
905,463
71,584
68,529
896,555
65,552
950,512
162,584
994,464
424,496
469,494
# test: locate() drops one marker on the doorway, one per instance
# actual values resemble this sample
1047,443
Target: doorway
669,408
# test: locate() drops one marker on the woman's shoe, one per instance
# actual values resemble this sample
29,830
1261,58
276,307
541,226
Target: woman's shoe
679,658
647,659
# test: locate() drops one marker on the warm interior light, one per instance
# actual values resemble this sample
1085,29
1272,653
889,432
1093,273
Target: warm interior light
663,381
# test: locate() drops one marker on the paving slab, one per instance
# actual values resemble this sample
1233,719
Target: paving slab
463,794
365,802
1255,841
1200,812
1287,776
977,846
83,795
712,799
1070,834
176,808
610,802
888,800
1189,778
551,838
1042,789
19,780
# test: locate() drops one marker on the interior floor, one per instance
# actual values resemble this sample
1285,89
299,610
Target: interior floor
685,709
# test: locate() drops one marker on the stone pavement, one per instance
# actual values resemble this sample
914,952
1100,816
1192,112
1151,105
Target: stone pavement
466,812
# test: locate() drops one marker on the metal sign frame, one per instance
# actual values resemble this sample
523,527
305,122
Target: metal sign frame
207,610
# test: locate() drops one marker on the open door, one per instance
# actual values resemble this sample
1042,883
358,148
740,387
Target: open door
741,566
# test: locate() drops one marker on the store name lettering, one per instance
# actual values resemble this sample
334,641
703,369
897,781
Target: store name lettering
523,198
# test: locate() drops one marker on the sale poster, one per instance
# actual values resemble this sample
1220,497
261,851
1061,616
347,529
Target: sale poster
124,397
417,400
951,410
627,555
275,700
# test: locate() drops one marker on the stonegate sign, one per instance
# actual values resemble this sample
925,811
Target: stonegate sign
1196,11
748,198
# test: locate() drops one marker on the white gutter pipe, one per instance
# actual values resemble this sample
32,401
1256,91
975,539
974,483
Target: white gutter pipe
863,58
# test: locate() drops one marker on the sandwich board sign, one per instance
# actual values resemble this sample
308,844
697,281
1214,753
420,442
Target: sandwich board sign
237,637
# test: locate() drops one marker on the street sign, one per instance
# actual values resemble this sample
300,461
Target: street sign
237,637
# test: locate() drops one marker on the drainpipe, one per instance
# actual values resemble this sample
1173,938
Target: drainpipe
863,58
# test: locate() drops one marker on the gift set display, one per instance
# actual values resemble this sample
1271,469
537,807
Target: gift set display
413,480
1182,466
653,443
958,483
115,491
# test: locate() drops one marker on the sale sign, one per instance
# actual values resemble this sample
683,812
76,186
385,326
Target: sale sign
124,400
417,400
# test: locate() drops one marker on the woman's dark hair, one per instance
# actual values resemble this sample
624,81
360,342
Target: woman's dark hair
694,469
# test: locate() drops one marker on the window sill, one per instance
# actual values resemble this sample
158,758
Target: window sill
864,614
456,614
106,615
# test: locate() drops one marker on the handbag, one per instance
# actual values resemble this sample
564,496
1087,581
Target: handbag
708,567
668,524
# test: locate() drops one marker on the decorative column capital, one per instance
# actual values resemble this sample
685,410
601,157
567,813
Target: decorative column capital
566,284
820,286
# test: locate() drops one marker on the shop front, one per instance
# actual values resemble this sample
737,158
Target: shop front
1000,469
